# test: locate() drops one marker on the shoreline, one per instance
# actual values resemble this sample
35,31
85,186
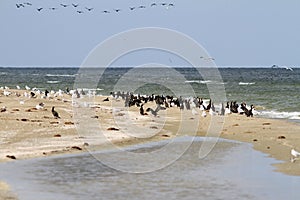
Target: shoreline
34,133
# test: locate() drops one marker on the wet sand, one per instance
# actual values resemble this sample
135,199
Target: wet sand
29,133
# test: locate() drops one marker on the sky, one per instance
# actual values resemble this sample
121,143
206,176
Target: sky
234,32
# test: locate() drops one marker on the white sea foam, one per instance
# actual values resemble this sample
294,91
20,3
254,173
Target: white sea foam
3,73
198,81
61,75
53,82
246,83
280,115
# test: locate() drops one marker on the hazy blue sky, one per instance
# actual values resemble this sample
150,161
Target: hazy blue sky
234,32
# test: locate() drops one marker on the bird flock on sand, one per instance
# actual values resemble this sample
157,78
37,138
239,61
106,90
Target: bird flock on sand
197,105
80,9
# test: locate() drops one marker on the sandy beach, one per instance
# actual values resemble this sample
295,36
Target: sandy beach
27,132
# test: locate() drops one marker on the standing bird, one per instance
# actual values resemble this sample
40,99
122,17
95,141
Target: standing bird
222,109
142,110
295,155
54,113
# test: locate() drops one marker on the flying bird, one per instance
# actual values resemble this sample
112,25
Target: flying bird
142,6
89,9
79,11
28,4
131,8
20,5
54,113
153,4
117,10
39,9
64,5
105,11
75,5
52,8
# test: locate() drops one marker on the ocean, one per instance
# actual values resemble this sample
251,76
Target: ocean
274,92
232,170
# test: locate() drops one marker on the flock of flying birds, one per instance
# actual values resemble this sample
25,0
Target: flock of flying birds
84,9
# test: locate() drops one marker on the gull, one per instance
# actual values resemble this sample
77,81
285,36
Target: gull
117,10
18,87
64,5
295,155
75,5
171,4
40,106
153,4
142,6
207,59
20,5
28,4
52,8
79,11
105,11
3,109
89,9
6,93
131,8
39,9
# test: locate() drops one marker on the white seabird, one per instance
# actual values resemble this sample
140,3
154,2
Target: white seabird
295,155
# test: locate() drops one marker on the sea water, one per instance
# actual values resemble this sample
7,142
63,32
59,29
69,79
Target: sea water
274,92
231,170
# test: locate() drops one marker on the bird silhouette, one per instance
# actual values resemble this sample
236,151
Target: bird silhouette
89,9
64,5
142,6
75,5
20,5
54,113
153,4
131,8
52,8
39,9
117,10
79,11
28,4
105,11
154,112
